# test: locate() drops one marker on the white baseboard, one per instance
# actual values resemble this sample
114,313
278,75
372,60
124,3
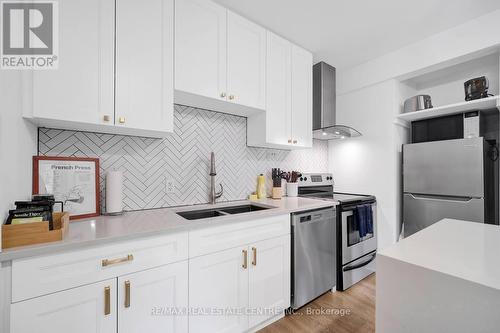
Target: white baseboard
266,323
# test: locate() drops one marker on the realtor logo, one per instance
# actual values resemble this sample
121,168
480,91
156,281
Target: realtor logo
29,33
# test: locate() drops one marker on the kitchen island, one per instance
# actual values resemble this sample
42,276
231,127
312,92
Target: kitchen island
445,278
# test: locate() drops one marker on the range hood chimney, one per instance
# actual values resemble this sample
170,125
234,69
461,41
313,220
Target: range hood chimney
324,105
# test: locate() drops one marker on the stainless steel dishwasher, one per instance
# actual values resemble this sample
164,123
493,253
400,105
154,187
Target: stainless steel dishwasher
313,254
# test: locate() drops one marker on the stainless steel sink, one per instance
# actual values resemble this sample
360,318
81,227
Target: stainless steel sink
201,214
215,212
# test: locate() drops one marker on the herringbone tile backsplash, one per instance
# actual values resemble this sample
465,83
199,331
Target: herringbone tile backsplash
184,158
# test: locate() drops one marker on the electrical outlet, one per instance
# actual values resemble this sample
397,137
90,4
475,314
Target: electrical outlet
170,185
271,154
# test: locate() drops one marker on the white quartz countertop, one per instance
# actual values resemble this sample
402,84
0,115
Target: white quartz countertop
467,250
106,229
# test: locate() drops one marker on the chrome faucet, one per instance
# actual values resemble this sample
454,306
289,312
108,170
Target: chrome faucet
214,195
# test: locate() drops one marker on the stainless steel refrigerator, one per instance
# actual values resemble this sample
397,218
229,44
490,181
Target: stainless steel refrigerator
448,179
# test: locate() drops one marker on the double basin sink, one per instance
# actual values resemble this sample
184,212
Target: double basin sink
220,211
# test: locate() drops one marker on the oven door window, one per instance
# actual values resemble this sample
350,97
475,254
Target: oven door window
353,232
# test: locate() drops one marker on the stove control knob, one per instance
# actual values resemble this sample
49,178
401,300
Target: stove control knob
305,178
301,179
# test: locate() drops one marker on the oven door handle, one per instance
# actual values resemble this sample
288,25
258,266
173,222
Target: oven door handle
364,263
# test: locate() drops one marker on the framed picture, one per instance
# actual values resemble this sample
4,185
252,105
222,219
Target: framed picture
72,180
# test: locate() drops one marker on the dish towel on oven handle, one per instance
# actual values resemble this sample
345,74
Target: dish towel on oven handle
364,220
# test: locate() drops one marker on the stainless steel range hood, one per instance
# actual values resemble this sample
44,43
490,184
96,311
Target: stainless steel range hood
324,105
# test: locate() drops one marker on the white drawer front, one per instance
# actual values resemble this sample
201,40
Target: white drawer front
213,239
42,275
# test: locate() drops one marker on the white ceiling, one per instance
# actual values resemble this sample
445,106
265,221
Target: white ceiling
349,32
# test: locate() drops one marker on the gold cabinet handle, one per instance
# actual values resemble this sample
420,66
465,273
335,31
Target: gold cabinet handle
106,118
127,294
121,120
107,301
231,97
222,94
294,141
109,262
254,260
245,259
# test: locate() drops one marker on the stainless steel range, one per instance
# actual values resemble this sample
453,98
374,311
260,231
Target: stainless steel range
356,228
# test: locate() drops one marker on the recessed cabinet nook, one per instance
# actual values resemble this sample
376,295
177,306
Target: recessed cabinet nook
122,66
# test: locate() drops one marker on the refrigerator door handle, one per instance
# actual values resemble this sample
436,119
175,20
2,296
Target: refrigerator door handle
441,198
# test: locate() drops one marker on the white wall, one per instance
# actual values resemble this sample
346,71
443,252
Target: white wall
446,86
453,45
370,164
370,95
18,140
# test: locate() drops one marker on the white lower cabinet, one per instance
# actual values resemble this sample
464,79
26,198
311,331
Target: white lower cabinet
269,279
90,308
218,281
235,278
250,283
154,300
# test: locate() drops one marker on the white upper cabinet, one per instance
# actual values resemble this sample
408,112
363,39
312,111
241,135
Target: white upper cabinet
144,66
278,103
220,59
90,308
287,122
246,62
80,93
301,112
80,90
200,48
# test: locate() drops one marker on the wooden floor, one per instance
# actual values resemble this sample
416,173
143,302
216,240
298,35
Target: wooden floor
358,302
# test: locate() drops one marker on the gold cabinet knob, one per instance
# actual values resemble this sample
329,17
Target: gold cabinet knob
294,141
121,120
106,117
289,140
223,94
231,97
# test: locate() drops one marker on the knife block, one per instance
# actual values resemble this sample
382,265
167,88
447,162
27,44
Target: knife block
277,193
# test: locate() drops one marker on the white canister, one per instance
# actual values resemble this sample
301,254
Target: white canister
292,189
114,189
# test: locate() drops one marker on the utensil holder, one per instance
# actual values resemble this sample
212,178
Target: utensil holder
292,189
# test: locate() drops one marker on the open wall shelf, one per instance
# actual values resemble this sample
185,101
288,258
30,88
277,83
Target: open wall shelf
488,103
